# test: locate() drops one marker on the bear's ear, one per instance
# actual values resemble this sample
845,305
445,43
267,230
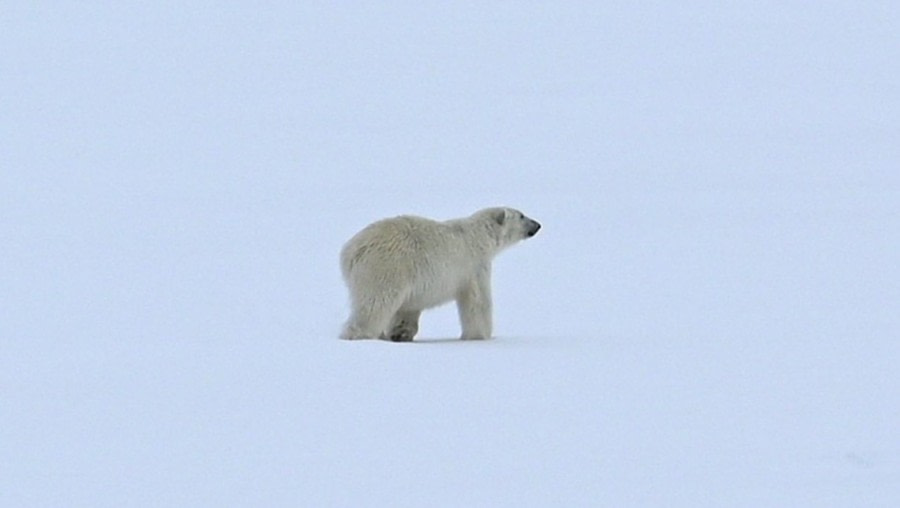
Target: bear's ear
500,216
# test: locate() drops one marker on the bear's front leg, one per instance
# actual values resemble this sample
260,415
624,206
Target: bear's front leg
404,326
474,305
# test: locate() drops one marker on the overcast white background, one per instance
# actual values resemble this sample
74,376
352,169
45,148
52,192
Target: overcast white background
709,316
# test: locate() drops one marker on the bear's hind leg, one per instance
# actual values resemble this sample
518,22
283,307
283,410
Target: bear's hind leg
369,319
404,326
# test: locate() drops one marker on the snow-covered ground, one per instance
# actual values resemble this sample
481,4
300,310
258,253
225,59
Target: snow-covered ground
710,315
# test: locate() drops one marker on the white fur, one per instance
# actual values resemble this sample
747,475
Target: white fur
396,268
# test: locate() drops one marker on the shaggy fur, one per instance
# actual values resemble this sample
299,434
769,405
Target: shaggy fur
396,268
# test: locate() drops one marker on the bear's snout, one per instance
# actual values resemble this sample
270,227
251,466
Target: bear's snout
533,227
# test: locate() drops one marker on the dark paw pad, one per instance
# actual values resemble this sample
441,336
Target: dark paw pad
403,331
401,336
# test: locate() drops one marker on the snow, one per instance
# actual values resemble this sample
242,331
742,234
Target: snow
707,318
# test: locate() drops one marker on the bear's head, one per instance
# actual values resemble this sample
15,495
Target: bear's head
509,225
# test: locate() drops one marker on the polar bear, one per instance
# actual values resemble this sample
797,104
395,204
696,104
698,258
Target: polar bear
396,268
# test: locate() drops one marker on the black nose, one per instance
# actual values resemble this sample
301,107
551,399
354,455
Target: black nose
535,226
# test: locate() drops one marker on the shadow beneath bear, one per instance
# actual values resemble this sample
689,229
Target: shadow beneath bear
439,340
